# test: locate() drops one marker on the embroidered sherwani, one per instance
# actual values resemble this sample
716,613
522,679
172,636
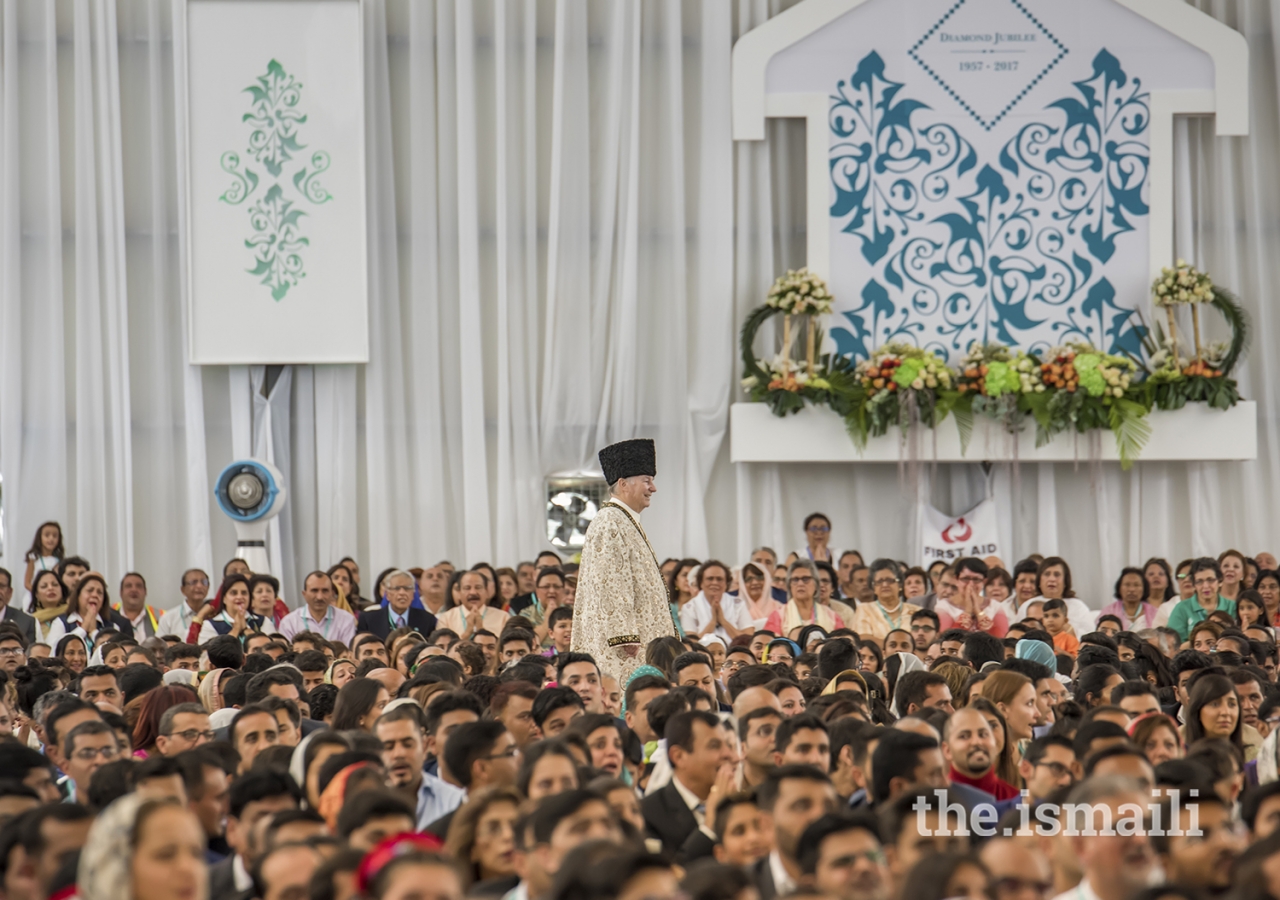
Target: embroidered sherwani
621,597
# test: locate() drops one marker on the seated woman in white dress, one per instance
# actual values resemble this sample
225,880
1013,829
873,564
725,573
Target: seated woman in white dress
711,610
235,618
88,612
1053,582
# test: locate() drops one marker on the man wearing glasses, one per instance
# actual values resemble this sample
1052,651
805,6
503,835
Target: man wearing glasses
1047,766
841,856
397,609
183,727
86,749
12,653
318,614
177,621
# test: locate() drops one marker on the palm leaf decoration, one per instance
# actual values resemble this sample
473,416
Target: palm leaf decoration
1129,423
1229,305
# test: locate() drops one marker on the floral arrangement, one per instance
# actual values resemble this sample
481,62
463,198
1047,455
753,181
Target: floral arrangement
782,382
902,366
800,292
1174,380
902,385
1076,387
1183,284
994,370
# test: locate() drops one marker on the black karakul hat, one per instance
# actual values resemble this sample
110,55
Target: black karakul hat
626,459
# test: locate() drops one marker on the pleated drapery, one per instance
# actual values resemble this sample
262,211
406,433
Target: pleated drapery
563,242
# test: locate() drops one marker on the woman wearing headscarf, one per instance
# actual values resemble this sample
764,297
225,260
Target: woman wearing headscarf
1042,653
755,595
144,849
210,692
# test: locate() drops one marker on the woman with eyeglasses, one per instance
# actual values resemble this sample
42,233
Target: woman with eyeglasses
970,608
803,608
888,612
817,535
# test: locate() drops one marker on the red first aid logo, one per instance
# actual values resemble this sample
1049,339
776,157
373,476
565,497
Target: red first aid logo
962,532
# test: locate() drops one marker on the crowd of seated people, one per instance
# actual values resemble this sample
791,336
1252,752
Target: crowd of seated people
822,727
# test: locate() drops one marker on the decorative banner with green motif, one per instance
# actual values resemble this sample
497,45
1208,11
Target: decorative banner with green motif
276,182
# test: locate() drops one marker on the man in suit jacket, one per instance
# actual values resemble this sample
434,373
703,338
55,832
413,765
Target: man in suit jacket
701,759
794,796
10,613
398,590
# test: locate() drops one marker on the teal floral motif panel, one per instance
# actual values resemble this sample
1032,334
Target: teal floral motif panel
275,226
276,243
1012,248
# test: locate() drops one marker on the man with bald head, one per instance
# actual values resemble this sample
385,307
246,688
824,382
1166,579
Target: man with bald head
1116,863
388,678
755,698
1019,870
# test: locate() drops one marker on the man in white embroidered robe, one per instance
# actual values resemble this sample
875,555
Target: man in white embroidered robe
622,601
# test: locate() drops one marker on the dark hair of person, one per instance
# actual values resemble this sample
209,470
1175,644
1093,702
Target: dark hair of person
896,756
368,805
468,743
1206,690
355,699
930,878
35,588
673,593
154,704
260,785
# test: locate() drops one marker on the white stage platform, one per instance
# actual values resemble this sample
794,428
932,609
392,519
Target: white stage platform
1194,432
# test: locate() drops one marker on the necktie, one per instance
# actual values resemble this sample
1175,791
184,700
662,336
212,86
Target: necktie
400,621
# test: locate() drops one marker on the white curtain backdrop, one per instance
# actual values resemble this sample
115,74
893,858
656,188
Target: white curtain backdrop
563,243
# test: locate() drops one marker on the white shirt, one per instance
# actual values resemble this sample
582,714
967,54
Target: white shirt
177,621
661,774
1079,614
74,625
783,883
240,875
1081,891
208,632
696,615
696,806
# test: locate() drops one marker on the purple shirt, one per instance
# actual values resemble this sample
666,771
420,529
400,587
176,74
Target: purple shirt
1145,618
